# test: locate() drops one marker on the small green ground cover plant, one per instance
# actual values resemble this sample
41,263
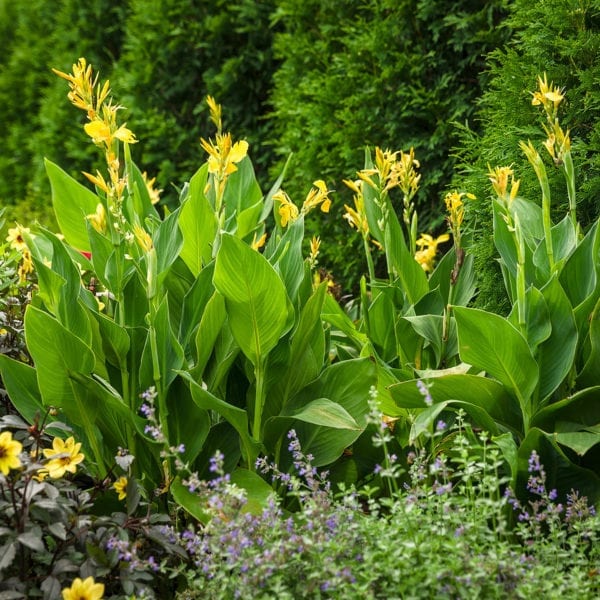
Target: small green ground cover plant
198,366
451,528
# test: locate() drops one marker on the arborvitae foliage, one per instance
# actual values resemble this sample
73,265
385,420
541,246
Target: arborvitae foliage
39,120
22,77
176,53
561,39
386,73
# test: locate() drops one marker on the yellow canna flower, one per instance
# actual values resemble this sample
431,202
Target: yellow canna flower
287,210
318,195
16,239
98,219
215,112
152,191
86,589
98,181
502,178
143,238
223,155
549,96
428,247
64,456
120,486
258,243
99,131
9,453
25,267
315,244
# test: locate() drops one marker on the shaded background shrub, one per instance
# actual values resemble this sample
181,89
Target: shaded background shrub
317,79
561,39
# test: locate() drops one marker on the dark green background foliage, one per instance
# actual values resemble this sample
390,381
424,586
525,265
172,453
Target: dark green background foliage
319,79
175,53
377,73
36,119
561,39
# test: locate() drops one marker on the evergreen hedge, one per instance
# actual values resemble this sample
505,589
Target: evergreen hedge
561,39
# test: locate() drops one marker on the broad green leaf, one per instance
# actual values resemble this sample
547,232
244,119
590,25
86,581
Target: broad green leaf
504,241
72,202
346,383
68,309
510,451
198,224
255,297
578,441
537,318
188,423
194,304
248,220
323,411
561,473
224,355
139,202
258,491
237,417
168,242
590,374
287,257
580,273
489,342
530,219
555,356
170,356
482,392
102,248
189,501
115,341
210,326
56,353
582,408
402,263
241,192
305,357
20,382
378,316
334,315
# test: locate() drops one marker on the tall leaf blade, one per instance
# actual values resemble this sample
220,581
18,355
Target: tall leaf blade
490,342
255,297
72,202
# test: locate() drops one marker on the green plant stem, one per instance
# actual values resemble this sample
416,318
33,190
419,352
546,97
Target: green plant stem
259,400
370,265
546,219
569,172
521,298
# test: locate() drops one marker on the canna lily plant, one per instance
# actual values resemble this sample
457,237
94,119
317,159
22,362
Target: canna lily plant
532,378
200,318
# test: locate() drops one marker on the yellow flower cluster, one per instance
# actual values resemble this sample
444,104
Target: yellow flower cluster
223,154
549,97
427,250
87,94
393,172
317,196
504,184
17,242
